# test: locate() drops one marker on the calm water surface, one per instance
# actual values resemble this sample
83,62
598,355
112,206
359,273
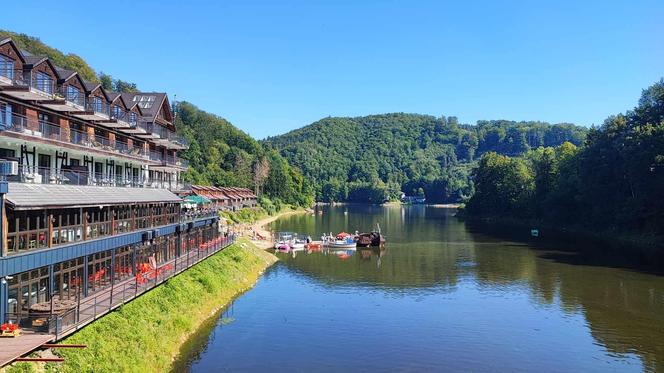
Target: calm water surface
442,296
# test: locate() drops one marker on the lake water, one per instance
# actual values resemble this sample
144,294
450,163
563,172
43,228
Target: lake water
443,296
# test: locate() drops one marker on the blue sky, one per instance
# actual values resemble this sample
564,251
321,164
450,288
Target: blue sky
273,66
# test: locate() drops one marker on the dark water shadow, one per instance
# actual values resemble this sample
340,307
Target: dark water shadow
568,248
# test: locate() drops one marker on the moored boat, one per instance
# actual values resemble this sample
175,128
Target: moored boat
374,238
342,240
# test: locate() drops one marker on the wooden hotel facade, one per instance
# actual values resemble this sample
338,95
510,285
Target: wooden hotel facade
92,208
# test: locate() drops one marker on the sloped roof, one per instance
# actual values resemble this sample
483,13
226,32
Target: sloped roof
64,74
33,60
18,51
39,196
150,108
90,86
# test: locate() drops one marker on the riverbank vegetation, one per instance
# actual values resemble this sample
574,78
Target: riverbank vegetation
265,208
145,335
611,185
375,158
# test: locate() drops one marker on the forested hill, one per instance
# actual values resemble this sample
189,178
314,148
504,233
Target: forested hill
374,158
612,185
219,154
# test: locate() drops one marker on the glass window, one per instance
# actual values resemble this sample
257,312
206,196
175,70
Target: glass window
6,67
73,94
44,82
97,104
5,115
116,112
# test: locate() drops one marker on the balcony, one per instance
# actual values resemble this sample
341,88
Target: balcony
153,131
7,72
174,141
168,161
47,175
45,130
67,101
94,111
176,161
117,119
24,86
163,136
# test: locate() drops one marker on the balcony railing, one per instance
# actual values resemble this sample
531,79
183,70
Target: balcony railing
175,161
168,160
48,175
77,98
7,71
156,130
99,107
120,116
46,130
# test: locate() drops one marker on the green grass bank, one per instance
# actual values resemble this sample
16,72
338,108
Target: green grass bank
145,335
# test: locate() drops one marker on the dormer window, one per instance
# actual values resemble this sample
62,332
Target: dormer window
97,104
6,67
44,82
133,119
73,94
116,112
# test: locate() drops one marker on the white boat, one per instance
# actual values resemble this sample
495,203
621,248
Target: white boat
297,244
340,244
284,241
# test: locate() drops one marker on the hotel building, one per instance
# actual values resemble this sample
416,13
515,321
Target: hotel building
91,208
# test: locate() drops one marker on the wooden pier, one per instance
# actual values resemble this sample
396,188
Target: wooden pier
13,348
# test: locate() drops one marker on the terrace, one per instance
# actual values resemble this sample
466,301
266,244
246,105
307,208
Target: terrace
20,124
26,85
168,160
69,176
96,109
66,99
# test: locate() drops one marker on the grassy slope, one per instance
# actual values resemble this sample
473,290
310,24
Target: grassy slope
145,335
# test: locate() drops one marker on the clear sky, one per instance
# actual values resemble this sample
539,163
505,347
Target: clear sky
273,66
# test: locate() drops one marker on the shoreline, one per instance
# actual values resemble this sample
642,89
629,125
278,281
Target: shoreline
259,227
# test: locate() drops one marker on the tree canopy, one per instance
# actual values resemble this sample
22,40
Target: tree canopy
613,182
374,158
221,154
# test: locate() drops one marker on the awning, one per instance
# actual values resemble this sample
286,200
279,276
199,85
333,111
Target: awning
199,200
23,196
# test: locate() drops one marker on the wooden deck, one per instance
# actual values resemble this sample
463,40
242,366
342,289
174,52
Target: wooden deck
12,348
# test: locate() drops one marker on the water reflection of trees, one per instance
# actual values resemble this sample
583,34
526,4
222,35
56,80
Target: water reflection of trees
623,308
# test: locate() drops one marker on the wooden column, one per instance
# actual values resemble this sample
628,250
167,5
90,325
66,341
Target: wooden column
49,216
65,130
112,220
5,229
84,216
32,119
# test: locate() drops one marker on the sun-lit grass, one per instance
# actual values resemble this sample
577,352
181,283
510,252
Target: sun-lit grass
145,335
